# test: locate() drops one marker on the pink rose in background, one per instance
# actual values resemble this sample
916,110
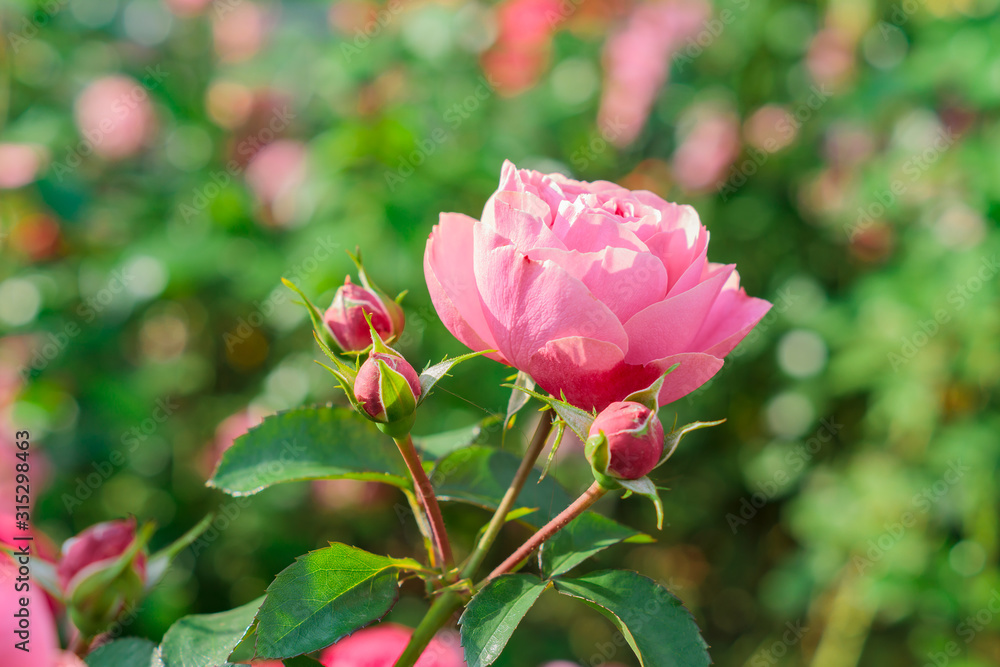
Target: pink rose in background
187,7
520,54
226,433
276,174
637,62
114,116
239,32
382,644
592,289
20,164
709,144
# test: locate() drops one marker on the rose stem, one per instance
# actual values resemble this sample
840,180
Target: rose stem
450,601
588,498
507,502
428,501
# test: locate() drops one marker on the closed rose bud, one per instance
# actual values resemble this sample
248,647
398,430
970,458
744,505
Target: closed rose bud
345,317
102,574
635,439
387,389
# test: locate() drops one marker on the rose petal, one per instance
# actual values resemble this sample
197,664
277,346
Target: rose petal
730,319
528,303
669,327
626,280
591,230
521,217
451,280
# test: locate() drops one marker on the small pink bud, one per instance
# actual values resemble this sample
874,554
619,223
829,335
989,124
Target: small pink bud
96,603
635,438
370,385
345,317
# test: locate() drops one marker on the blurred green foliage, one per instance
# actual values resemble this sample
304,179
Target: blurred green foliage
846,513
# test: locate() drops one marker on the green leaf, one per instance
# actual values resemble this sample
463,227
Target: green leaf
673,438
583,537
481,475
301,661
441,444
324,596
309,443
494,613
433,374
127,652
654,622
206,639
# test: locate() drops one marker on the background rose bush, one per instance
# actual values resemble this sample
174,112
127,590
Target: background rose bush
142,293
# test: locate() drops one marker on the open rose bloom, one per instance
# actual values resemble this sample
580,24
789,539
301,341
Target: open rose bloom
592,289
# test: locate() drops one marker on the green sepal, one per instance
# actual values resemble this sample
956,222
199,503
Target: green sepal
650,396
350,373
672,439
431,375
319,327
578,420
378,345
345,385
645,487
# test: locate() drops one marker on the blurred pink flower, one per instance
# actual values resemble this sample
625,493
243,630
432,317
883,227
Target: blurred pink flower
521,52
770,128
239,31
20,164
114,116
707,148
187,7
226,433
275,174
637,62
831,58
382,644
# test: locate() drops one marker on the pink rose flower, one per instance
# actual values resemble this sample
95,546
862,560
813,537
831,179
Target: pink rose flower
381,646
592,289
43,637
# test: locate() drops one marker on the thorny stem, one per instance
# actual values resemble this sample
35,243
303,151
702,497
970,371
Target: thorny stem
428,501
450,601
588,498
509,498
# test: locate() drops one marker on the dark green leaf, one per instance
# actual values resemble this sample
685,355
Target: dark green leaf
654,622
583,537
324,596
494,613
206,639
128,652
481,475
441,444
301,661
309,443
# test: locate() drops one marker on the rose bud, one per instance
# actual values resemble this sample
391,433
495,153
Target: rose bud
634,438
102,573
387,389
345,319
